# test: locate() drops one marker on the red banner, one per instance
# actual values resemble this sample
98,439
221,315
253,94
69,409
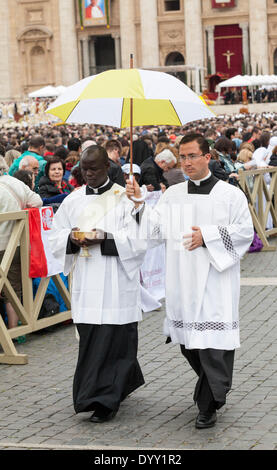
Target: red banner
228,49
38,262
223,3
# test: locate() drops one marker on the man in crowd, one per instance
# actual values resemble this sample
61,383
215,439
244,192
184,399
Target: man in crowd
74,144
203,276
35,149
105,288
14,196
114,149
255,134
153,167
29,163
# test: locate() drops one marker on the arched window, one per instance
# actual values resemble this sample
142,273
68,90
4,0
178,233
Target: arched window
174,58
38,65
275,61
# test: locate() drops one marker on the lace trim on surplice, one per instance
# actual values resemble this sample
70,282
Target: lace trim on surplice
203,326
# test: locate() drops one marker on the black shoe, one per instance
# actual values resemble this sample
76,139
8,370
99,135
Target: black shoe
101,415
205,420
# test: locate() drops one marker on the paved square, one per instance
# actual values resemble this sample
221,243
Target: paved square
36,399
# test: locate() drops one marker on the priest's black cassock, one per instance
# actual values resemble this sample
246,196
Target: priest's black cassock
105,299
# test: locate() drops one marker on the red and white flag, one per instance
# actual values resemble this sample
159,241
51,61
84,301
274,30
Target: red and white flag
42,262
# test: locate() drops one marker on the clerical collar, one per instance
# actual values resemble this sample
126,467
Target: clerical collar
198,182
204,186
101,189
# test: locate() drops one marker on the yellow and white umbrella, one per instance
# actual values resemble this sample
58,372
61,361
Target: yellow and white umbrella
129,97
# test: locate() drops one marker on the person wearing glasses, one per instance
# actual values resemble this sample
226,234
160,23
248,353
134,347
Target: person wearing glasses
207,227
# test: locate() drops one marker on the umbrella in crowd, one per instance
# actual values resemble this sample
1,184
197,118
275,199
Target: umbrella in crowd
158,99
130,97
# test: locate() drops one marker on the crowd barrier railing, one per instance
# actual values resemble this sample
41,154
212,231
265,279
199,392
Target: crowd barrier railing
260,188
29,306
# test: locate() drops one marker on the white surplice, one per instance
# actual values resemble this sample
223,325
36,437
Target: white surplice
202,285
105,289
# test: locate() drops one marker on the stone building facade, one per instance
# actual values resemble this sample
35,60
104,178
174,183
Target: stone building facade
42,42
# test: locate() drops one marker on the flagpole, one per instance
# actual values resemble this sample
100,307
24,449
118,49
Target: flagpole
131,122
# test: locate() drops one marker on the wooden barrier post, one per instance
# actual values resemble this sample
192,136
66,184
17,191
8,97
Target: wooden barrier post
261,201
27,310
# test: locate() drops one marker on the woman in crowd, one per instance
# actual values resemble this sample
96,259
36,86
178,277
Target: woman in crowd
53,184
71,160
76,178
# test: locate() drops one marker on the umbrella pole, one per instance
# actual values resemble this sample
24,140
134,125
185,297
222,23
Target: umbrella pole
131,123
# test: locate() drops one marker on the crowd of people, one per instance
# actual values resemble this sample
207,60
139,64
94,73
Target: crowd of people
244,95
46,157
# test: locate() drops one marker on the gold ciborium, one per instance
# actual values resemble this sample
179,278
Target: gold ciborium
82,236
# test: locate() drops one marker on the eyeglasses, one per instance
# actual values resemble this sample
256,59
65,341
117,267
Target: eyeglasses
191,157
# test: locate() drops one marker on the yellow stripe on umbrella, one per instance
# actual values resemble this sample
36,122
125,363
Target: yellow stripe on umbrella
145,112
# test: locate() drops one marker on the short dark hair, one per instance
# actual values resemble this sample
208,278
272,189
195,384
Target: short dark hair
36,142
96,151
61,152
223,145
195,137
50,162
25,176
255,130
265,138
164,138
74,144
229,132
113,144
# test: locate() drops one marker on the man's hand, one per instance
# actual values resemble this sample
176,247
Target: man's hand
96,237
133,189
150,188
163,187
193,240
234,175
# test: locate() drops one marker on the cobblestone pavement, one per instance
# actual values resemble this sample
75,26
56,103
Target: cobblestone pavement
36,399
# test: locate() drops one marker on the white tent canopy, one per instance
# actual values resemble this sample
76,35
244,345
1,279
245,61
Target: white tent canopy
48,92
249,80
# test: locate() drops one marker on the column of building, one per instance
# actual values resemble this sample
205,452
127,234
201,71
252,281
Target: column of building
245,47
85,56
116,38
69,50
149,33
127,32
258,36
194,37
5,78
210,48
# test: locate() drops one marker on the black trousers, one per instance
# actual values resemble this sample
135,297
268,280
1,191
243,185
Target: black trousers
107,369
214,368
